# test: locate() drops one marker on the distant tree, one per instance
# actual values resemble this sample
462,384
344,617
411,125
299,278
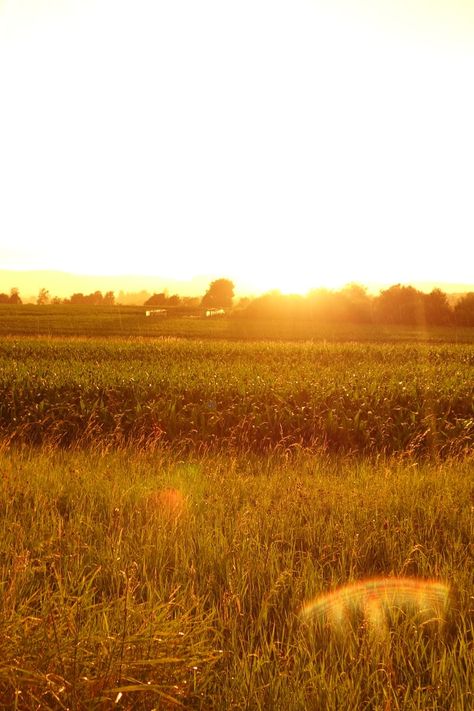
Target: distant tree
94,299
464,310
191,301
219,294
156,300
56,300
4,299
400,305
109,298
266,305
162,299
358,303
437,309
14,296
274,304
43,297
244,301
327,306
348,305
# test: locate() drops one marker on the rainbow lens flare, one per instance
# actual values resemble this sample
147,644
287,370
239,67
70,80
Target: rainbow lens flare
376,598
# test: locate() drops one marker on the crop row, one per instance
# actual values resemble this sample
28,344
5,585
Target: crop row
32,321
364,398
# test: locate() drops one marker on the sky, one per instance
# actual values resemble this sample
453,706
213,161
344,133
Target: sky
281,143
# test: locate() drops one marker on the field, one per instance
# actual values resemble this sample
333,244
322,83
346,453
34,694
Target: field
127,321
211,523
244,396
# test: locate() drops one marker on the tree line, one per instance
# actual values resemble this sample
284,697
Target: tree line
397,305
219,294
95,299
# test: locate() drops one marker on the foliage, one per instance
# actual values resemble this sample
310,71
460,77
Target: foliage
464,310
43,297
219,295
436,308
14,297
94,299
113,597
163,300
211,489
398,305
247,396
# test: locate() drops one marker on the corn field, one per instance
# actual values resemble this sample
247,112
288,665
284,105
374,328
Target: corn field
367,398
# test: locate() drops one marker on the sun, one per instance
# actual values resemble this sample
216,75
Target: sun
291,279
294,286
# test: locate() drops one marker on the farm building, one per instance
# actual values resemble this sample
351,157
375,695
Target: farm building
215,312
156,312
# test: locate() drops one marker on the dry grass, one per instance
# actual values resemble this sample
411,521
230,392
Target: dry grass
134,580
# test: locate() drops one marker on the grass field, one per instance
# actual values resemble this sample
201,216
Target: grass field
155,582
172,508
127,321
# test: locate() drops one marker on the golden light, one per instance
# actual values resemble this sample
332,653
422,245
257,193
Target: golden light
311,159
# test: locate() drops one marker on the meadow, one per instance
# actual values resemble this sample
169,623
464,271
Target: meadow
142,581
171,509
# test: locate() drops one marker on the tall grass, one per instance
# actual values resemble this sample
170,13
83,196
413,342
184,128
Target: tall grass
135,580
186,504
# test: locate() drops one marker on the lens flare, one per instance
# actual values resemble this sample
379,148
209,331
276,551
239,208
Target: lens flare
377,598
169,504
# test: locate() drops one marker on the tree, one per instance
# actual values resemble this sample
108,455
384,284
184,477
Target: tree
43,297
190,301
464,310
244,301
358,303
437,309
274,304
109,298
94,299
15,296
156,300
326,305
400,305
219,294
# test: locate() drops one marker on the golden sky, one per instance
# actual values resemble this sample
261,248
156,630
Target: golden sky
282,143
